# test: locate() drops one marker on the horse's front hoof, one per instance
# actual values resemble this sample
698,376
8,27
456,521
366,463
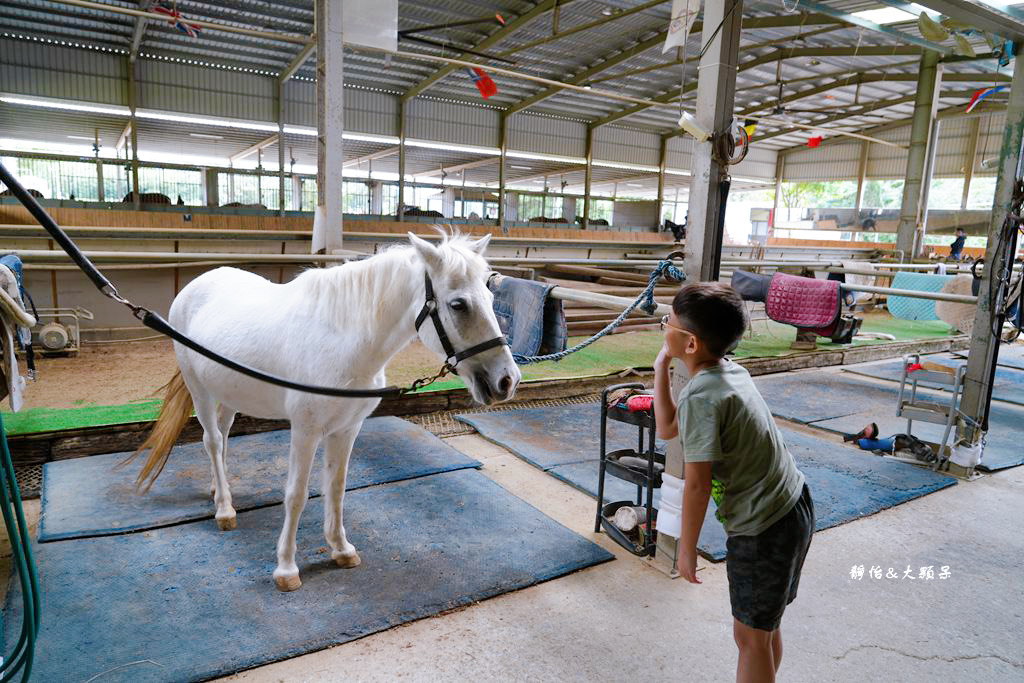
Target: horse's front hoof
287,582
346,560
227,523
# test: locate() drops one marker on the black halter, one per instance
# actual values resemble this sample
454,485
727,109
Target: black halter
451,357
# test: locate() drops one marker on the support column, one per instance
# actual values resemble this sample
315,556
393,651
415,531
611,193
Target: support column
376,197
569,209
211,187
661,179
926,188
587,177
862,177
981,360
401,161
330,110
297,193
716,94
970,159
448,202
280,148
780,168
929,77
503,145
99,165
100,196
132,104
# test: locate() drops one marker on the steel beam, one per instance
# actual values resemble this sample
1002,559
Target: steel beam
400,210
252,149
503,145
459,167
557,35
280,148
908,38
585,75
925,108
837,117
970,159
1006,21
132,105
330,109
862,176
984,349
588,176
140,29
511,27
297,62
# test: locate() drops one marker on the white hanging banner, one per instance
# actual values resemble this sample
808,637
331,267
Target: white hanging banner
684,12
371,23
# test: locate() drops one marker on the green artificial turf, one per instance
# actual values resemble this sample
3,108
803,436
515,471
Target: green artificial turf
607,356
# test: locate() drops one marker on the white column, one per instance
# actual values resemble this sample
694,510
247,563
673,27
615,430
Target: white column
327,222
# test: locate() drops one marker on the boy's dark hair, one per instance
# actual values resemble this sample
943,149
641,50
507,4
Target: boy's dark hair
714,312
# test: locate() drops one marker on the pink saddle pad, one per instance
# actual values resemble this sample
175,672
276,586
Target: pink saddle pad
802,301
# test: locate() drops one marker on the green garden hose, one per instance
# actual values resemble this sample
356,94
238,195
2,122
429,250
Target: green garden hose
20,659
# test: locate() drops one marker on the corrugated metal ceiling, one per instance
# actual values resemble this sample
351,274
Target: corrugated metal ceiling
559,59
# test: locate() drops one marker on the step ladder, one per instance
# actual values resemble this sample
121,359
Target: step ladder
914,407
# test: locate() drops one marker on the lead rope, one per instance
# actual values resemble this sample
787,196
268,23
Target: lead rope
645,301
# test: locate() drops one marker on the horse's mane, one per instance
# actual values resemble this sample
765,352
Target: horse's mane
358,295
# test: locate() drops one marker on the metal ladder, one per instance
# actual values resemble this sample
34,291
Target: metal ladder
913,407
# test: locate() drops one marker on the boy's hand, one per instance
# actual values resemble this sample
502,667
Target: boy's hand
663,360
688,564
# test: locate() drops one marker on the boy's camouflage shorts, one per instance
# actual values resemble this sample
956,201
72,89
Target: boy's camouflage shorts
764,570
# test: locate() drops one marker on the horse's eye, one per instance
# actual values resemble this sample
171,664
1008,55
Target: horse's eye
458,304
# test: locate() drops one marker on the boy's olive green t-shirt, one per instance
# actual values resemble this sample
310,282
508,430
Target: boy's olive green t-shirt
724,420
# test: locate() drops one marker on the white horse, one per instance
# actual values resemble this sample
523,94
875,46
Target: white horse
335,327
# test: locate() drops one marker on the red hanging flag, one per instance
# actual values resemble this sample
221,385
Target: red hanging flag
814,142
484,83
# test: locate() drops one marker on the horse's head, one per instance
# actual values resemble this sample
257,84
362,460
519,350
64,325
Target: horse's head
458,275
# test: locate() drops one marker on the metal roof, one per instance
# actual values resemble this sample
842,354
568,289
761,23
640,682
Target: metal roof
832,79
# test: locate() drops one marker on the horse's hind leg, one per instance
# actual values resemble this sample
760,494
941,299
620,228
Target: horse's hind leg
225,418
214,441
300,460
337,449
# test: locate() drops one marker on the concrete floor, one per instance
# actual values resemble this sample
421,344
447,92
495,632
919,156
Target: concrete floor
625,620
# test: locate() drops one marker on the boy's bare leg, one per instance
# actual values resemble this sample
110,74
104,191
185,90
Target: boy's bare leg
777,647
756,663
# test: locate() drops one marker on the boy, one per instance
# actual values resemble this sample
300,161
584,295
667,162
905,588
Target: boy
729,439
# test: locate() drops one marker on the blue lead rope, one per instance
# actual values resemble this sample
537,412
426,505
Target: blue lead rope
645,302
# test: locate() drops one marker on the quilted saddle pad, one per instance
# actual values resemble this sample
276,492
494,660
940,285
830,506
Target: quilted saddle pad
802,301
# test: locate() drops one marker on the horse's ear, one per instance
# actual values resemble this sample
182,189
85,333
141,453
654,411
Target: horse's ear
427,251
480,245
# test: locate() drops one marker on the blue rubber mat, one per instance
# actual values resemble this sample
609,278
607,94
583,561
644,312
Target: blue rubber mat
88,497
198,603
845,483
552,436
1004,446
1010,355
1008,386
811,396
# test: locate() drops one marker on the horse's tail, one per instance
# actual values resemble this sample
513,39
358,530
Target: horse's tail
176,411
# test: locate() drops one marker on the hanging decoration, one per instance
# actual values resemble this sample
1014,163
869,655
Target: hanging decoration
815,141
484,83
750,125
981,94
176,20
683,16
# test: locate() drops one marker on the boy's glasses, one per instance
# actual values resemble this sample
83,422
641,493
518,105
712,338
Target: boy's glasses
665,323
